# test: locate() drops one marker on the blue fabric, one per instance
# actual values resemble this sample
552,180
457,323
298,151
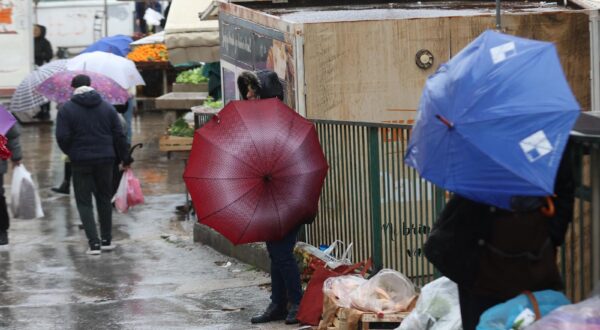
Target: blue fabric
88,130
491,152
117,44
503,316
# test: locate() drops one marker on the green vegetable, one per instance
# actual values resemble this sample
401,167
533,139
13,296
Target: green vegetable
210,103
181,128
192,76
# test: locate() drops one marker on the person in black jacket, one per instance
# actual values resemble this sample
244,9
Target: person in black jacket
15,148
89,131
42,54
286,287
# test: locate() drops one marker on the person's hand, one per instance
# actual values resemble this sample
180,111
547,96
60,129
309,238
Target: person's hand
16,163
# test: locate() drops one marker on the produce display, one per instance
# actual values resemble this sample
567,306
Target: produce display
192,76
149,53
211,103
181,128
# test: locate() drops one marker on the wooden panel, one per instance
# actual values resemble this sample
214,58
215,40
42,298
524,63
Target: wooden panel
366,71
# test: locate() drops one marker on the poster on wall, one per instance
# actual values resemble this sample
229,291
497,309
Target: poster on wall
16,41
249,46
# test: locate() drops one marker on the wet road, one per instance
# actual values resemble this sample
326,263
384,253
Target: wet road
157,278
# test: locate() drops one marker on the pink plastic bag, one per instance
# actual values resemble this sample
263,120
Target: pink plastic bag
129,192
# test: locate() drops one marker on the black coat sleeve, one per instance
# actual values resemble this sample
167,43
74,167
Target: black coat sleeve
564,189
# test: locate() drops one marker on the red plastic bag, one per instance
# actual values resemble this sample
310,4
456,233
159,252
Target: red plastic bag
129,192
311,305
4,152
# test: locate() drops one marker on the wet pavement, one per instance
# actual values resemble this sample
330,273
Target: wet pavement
156,278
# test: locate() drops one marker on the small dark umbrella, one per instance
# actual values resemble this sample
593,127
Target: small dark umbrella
255,171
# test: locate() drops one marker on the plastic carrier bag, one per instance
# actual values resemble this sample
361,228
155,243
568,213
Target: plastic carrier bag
25,200
332,256
129,192
340,288
519,312
437,308
387,292
584,315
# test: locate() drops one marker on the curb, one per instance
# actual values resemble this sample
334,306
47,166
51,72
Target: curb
254,254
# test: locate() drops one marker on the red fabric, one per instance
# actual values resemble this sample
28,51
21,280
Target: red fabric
311,305
4,152
255,171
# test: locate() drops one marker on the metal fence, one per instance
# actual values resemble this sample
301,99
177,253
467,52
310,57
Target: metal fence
372,199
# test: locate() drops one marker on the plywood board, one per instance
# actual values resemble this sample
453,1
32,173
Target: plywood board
366,70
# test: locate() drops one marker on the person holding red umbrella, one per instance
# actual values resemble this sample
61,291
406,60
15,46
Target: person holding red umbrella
286,287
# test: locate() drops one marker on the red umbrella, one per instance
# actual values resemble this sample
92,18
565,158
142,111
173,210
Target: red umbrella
255,171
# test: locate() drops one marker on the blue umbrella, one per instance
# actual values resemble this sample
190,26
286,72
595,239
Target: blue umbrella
493,121
117,44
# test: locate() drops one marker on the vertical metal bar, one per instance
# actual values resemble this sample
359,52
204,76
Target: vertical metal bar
387,183
405,210
595,205
330,182
347,236
498,22
375,197
581,231
364,186
355,203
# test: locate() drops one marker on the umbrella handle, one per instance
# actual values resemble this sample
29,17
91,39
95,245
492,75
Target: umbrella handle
445,121
549,210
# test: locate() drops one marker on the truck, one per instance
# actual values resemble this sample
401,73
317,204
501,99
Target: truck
16,42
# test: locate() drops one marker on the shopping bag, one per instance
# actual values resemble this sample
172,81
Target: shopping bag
134,190
25,200
311,305
333,257
584,315
129,192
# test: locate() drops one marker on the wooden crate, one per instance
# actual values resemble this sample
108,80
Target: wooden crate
190,88
174,143
368,321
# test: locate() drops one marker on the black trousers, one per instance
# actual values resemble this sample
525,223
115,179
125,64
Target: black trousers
285,275
4,218
473,305
94,180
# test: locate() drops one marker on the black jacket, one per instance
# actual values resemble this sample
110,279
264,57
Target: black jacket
42,47
88,130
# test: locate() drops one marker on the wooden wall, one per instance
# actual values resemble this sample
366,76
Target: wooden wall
366,71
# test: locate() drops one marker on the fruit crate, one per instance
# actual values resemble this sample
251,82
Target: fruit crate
170,143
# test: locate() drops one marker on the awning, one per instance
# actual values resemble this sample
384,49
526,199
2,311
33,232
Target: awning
189,39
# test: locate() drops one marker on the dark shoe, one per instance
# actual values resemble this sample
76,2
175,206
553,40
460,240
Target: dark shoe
94,249
64,188
3,237
273,313
291,316
107,245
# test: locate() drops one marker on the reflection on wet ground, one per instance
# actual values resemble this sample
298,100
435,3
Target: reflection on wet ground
157,278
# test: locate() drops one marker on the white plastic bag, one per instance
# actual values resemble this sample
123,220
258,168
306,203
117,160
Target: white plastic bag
584,315
332,255
120,197
388,291
152,17
437,308
25,200
339,288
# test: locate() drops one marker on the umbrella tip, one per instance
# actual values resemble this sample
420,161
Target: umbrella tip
445,121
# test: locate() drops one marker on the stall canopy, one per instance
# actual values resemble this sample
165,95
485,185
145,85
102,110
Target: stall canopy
188,39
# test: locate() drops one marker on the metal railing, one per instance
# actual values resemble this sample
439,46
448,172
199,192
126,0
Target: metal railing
371,198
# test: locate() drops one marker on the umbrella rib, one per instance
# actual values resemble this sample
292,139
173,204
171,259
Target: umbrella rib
509,115
237,199
232,155
256,208
291,152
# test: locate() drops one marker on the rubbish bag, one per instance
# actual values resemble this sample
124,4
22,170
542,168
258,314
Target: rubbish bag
332,256
518,312
584,315
129,192
437,308
340,288
387,292
25,200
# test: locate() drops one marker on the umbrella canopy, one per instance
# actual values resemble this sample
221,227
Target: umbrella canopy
117,44
493,122
118,68
26,97
255,171
6,120
58,88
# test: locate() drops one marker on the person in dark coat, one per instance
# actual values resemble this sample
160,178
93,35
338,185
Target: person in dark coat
15,148
286,286
42,54
512,251
89,131
212,71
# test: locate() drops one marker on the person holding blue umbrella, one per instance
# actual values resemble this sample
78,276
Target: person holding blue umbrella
492,128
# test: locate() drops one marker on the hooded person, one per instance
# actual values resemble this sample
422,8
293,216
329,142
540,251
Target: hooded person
89,131
286,287
41,46
263,84
42,54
